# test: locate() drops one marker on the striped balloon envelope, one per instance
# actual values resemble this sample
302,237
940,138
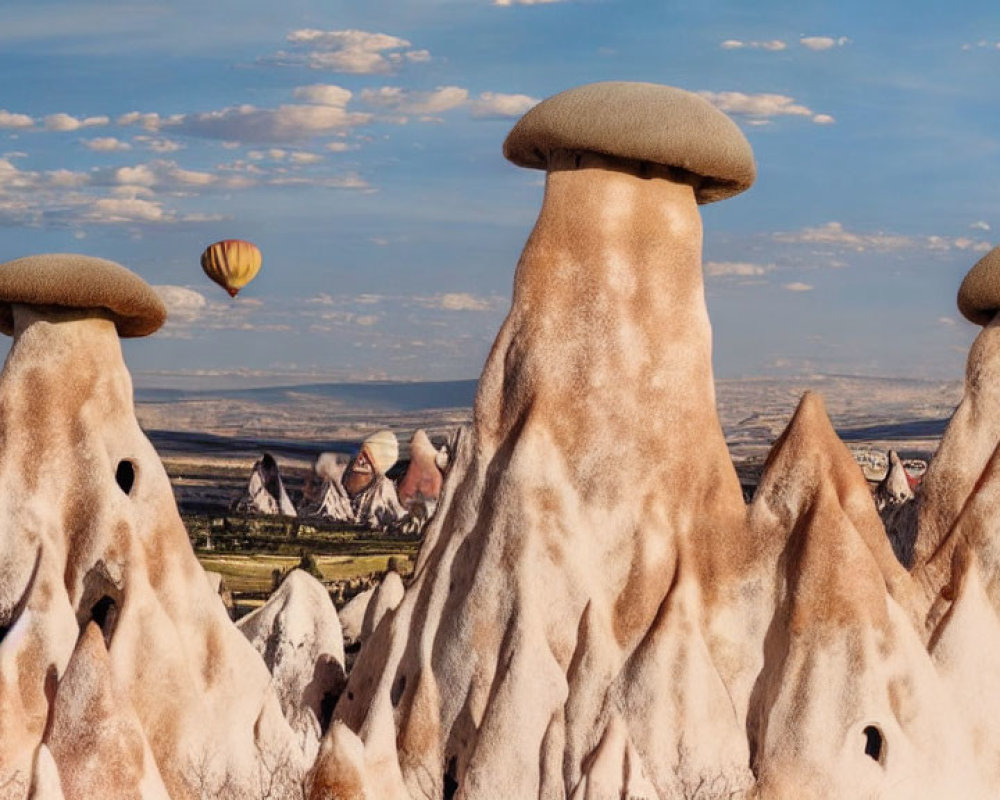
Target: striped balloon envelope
231,263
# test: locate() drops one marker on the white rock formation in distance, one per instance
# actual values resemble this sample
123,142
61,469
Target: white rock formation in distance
298,635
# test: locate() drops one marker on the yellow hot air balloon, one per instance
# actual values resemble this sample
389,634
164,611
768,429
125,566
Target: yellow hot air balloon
231,263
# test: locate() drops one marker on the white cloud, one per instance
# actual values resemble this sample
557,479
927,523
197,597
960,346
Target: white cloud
280,154
736,269
773,45
763,106
352,51
106,210
348,180
284,123
444,98
457,301
982,43
159,145
181,302
823,42
150,121
948,321
67,179
106,144
980,225
834,233
339,147
524,2
191,177
65,122
488,105
65,198
323,94
10,120
797,286
494,105
139,175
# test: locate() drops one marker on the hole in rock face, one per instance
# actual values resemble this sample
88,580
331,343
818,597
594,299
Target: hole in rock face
125,475
874,743
450,784
105,613
326,706
397,690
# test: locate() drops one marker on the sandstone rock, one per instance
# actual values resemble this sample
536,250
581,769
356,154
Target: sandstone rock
387,595
218,583
896,504
90,531
265,492
567,628
94,732
298,635
847,703
352,615
420,487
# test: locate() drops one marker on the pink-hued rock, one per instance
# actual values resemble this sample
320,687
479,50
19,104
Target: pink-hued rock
423,478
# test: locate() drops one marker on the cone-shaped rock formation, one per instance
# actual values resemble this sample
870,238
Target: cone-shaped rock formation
570,630
265,493
90,532
897,506
848,703
298,635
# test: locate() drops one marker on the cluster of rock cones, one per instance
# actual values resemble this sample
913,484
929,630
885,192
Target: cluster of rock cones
581,623
357,490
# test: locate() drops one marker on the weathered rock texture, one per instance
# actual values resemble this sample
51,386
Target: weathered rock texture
91,535
956,472
573,627
298,635
420,487
265,493
897,506
848,703
359,492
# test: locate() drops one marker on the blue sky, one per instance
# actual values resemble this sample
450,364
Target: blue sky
358,144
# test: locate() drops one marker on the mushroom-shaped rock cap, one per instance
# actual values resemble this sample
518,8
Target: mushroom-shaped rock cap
979,294
382,449
639,122
69,280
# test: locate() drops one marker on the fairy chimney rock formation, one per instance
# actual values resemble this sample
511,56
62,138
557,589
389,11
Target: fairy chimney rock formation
298,635
352,615
421,484
847,703
596,603
896,505
372,494
95,735
377,455
974,430
387,596
265,493
91,533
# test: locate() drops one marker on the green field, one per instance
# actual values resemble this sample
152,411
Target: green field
250,573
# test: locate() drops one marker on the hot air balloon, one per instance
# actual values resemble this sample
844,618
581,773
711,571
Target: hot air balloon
231,263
